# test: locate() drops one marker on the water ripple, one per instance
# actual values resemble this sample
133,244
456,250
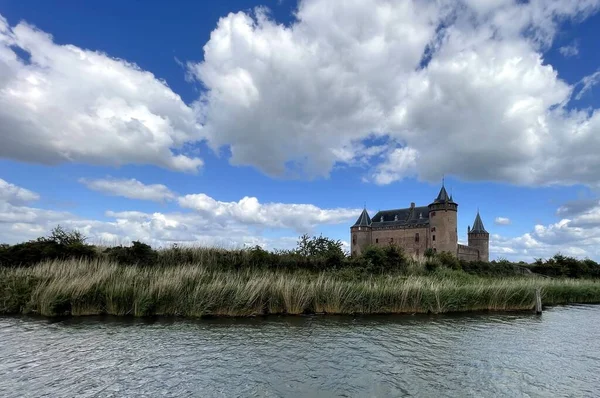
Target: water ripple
475,355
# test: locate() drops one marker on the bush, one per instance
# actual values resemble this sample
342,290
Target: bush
60,245
564,266
385,259
138,253
449,260
432,264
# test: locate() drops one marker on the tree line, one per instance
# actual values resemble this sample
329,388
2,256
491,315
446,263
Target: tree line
316,253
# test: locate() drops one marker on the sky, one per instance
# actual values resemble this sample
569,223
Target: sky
245,123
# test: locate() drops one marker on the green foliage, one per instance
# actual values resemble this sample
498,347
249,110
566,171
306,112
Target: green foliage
313,254
138,253
103,287
319,246
564,266
449,260
432,264
60,244
378,259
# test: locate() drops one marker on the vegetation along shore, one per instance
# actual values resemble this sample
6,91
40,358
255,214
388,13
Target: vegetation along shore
62,275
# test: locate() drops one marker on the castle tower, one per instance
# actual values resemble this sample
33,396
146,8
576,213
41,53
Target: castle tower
360,234
443,233
479,238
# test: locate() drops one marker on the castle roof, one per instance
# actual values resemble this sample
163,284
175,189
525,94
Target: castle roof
402,217
443,196
363,220
478,225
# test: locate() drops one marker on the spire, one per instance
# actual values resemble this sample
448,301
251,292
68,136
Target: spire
363,220
442,196
478,225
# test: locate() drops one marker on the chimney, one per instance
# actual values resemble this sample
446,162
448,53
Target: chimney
412,205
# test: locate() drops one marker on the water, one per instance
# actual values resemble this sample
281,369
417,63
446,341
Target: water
557,354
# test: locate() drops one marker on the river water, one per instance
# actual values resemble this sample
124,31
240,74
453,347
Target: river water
484,355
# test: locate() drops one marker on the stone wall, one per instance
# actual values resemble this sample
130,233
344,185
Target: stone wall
480,241
443,224
468,253
406,238
360,239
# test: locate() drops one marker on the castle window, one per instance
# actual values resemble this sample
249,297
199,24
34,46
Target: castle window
391,240
434,250
432,213
433,229
354,239
377,240
433,238
417,237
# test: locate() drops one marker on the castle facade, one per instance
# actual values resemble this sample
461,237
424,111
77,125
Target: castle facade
418,228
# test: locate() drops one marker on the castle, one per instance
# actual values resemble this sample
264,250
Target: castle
418,228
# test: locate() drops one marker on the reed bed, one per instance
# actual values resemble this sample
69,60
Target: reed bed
100,287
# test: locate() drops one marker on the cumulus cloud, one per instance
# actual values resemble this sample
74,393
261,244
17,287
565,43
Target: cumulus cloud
502,221
212,222
578,235
130,188
61,103
15,195
248,210
460,86
400,163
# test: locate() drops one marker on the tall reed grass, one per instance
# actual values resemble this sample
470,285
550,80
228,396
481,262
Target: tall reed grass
100,287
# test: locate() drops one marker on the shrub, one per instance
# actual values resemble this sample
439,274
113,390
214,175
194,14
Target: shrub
59,245
432,264
449,260
138,253
564,266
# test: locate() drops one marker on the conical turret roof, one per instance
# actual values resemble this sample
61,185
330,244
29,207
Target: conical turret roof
443,196
478,225
363,220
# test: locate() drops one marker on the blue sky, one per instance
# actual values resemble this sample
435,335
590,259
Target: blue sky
252,122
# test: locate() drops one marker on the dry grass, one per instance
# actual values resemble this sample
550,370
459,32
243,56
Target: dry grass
86,288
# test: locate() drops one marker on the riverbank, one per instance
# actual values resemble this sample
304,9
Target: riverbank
89,288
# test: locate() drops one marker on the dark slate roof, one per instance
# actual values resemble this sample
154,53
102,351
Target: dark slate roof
363,220
443,196
478,225
402,217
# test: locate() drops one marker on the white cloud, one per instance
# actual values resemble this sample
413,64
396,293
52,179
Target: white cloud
587,83
212,223
502,221
464,85
400,163
130,188
577,236
15,195
248,210
569,51
67,104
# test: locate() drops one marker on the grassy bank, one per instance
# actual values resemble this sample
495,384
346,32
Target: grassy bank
101,287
